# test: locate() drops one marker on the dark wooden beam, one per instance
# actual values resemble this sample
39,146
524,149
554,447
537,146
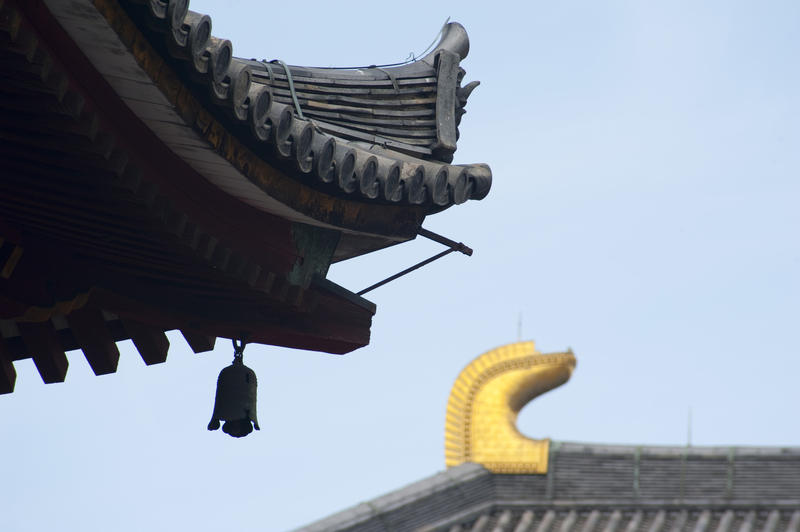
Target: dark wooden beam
42,343
10,254
94,339
333,325
8,375
200,343
151,342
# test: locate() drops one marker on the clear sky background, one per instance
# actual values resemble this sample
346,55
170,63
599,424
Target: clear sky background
644,212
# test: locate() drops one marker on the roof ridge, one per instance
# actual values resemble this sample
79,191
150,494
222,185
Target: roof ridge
715,450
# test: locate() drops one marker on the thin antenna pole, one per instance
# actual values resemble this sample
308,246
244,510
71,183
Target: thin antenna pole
689,429
519,327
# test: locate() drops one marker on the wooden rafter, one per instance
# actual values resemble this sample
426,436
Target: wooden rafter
48,355
95,339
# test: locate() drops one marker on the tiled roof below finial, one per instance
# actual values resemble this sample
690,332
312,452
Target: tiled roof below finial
598,488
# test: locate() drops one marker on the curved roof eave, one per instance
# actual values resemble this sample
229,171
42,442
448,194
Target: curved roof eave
312,166
151,89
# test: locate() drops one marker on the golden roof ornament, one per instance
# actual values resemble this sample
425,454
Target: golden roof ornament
486,398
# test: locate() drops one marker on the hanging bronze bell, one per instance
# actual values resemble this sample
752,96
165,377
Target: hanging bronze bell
235,402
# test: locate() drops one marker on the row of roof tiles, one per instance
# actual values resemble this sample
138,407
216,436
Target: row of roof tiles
605,488
624,520
365,170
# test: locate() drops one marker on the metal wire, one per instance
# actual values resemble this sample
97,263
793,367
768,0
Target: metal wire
412,57
291,85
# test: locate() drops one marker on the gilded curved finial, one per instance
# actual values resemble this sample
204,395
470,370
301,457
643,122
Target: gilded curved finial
487,396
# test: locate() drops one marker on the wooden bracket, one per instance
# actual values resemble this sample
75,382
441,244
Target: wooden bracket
8,375
48,355
199,343
95,339
151,343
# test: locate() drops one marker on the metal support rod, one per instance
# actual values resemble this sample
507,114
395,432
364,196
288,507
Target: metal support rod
407,270
452,244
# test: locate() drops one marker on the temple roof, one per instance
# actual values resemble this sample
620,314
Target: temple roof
501,481
375,134
153,182
598,488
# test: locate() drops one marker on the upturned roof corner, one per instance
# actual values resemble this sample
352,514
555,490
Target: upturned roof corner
373,134
156,182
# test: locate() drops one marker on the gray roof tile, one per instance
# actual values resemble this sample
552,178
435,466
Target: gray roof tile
599,488
295,116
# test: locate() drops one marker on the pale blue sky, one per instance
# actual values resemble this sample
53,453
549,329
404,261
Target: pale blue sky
643,212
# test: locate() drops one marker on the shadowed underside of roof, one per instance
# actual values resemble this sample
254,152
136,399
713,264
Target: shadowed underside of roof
599,488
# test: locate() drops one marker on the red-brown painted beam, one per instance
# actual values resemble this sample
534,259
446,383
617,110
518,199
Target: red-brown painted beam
48,355
95,340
